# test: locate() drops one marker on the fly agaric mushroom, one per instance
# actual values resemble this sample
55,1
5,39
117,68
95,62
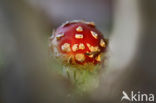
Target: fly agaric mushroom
78,42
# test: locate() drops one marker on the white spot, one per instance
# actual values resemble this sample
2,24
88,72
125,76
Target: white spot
75,47
81,46
66,47
58,36
78,36
80,57
93,48
91,55
102,43
94,34
79,29
98,58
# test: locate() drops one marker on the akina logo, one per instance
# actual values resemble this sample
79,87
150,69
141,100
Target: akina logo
138,96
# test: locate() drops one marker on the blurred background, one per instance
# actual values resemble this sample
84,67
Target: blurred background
26,25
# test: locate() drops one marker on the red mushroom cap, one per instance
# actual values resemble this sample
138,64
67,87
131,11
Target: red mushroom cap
78,42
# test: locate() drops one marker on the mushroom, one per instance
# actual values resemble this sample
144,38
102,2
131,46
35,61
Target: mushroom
78,42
